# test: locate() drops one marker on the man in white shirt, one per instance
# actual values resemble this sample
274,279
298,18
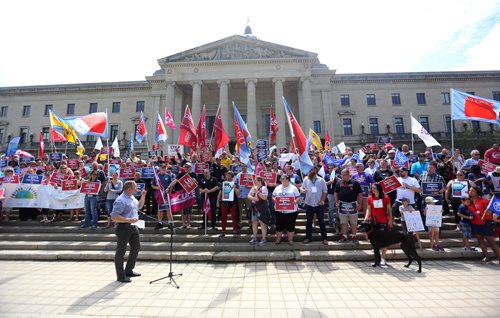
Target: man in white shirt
409,186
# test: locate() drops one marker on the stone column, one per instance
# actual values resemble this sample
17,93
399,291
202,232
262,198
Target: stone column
280,112
306,107
251,107
169,103
224,107
196,107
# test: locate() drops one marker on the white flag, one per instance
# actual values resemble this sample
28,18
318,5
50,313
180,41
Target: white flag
361,153
341,147
116,148
98,144
417,129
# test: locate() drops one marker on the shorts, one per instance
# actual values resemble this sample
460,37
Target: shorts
255,217
187,211
466,230
497,231
481,229
351,218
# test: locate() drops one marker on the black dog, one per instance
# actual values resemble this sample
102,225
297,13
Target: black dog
384,238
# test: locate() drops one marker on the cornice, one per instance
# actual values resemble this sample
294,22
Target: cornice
415,77
76,88
237,62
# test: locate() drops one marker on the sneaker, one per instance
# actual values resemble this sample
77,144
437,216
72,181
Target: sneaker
253,241
439,248
262,242
355,240
158,226
435,248
188,226
383,262
343,239
473,249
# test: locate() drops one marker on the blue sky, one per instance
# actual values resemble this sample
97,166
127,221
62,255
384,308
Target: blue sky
56,41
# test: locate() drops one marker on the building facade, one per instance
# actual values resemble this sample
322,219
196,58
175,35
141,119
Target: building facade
254,74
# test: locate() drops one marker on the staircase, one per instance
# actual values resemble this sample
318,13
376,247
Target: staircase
32,240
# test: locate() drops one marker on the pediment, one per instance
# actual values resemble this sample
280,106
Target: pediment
237,47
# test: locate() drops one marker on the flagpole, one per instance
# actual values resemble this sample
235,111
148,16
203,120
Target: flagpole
451,123
412,149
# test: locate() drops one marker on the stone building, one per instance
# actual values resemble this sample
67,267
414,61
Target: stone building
255,74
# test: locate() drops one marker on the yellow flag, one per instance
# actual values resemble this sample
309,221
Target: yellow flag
315,139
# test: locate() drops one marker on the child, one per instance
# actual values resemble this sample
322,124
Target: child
465,226
406,207
433,230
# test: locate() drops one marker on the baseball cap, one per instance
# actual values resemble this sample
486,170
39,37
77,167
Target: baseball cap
403,168
430,199
392,151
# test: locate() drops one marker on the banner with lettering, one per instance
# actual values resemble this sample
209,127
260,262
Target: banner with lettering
181,200
390,184
188,183
285,204
90,187
41,196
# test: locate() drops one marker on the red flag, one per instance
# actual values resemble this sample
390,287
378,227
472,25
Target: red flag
41,147
206,207
187,135
328,145
292,147
56,136
221,138
201,130
477,107
273,128
169,121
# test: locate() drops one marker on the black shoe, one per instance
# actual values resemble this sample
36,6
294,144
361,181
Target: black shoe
133,274
158,226
124,280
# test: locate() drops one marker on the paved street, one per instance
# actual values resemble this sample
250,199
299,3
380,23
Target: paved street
315,289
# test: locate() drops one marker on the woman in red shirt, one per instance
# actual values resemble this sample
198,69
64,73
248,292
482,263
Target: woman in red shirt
483,233
378,210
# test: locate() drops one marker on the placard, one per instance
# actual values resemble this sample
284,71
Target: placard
73,164
459,189
109,169
58,177
172,150
413,221
486,166
366,190
352,170
187,183
83,173
11,179
115,161
26,159
155,147
127,173
348,207
69,185
390,184
205,155
148,173
3,163
285,204
262,147
429,187
228,191
371,147
246,179
269,176
32,179
151,153
199,167
384,140
433,215
55,156
140,186
90,187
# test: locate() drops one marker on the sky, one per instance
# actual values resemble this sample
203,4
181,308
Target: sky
87,41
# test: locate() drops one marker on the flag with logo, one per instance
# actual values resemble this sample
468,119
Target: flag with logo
328,142
400,158
169,121
242,136
273,125
141,130
62,127
80,150
187,135
220,136
41,147
13,145
201,130
494,205
92,124
160,131
315,139
421,132
470,107
56,136
206,207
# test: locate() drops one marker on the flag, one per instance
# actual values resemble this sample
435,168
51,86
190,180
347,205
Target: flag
341,147
41,146
400,158
315,139
361,153
470,107
98,144
201,130
92,124
417,129
206,207
220,136
328,159
292,146
494,205
273,127
242,136
22,153
328,145
56,136
187,135
62,127
80,150
141,131
169,121
116,148
161,132
12,147
300,140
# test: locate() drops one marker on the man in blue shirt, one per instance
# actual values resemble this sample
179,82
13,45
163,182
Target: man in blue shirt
125,213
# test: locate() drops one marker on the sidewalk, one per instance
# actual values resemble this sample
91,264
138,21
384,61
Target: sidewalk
283,289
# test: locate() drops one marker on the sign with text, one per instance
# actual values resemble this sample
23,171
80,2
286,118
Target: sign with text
115,161
148,173
83,173
459,189
486,167
384,140
371,147
90,187
127,173
151,153
262,147
57,177
11,179
413,221
69,185
172,150
155,147
205,155
285,204
3,163
246,179
199,167
108,169
55,156
269,176
26,159
433,215
188,183
32,179
228,191
390,184
428,188
73,164
348,207
140,186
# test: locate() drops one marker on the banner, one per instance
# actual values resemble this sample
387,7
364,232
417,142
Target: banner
41,196
390,184
90,187
188,183
433,215
181,200
262,148
285,204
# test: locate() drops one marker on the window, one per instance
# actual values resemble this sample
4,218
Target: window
244,117
267,123
3,111
424,121
90,138
46,133
399,125
447,123
2,133
70,110
370,100
23,133
373,126
48,109
445,97
26,110
93,108
471,93
135,130
139,106
344,100
475,125
115,108
317,126
113,131
210,124
421,98
347,123
396,99
496,96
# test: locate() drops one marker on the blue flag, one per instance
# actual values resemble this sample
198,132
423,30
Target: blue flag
400,158
494,205
328,159
13,145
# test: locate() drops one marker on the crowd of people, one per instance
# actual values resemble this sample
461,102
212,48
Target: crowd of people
345,190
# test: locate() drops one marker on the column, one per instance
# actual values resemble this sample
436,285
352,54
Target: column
306,107
169,103
280,112
196,107
251,107
224,106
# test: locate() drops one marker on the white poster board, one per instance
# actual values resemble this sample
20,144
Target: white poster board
434,215
413,221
